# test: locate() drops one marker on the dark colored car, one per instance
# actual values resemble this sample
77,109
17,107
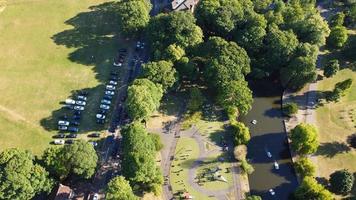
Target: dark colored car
108,97
114,78
69,141
96,135
100,121
59,136
73,129
77,112
76,117
72,135
74,123
63,117
114,73
84,93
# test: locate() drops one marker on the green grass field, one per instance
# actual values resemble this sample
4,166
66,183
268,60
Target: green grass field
46,48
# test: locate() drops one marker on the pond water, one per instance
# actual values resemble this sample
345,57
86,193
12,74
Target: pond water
268,135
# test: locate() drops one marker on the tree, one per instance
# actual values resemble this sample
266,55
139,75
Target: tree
156,139
78,159
298,73
341,181
133,16
338,36
305,167
161,72
173,28
143,98
119,189
253,197
138,163
290,109
337,19
240,152
331,68
310,189
173,53
20,177
344,85
219,17
304,139
241,133
196,100
235,94
246,167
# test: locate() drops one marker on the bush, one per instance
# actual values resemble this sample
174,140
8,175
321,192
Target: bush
241,133
246,167
338,37
344,85
240,152
341,182
304,139
337,19
196,100
331,68
290,109
253,197
305,167
157,141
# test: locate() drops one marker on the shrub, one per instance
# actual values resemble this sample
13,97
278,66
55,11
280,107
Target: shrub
241,133
290,109
156,141
331,68
305,167
196,100
341,181
246,167
253,197
338,37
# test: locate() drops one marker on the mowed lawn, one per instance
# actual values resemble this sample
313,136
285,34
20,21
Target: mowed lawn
45,52
337,121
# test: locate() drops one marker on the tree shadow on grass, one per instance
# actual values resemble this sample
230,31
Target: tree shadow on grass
330,149
94,38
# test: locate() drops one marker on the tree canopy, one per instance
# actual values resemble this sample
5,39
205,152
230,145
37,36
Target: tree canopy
241,133
305,167
304,139
143,98
310,189
119,189
338,36
341,181
331,68
20,177
161,72
78,159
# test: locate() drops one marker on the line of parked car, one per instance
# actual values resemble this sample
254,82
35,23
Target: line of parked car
110,88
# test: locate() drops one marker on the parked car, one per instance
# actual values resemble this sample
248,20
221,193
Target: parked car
96,135
276,166
108,92
82,98
100,116
77,112
112,82
81,108
110,87
62,128
114,78
107,97
73,129
76,117
81,103
271,191
95,196
69,141
72,135
68,106
63,123
114,73
117,64
69,101
83,93
104,106
104,101
100,121
61,135
58,142
63,117
101,111
74,123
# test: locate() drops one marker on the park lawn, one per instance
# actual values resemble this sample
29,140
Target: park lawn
187,151
44,60
336,121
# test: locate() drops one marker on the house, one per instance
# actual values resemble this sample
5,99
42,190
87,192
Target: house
63,193
178,5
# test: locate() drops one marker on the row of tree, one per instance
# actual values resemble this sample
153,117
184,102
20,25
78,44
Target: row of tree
22,176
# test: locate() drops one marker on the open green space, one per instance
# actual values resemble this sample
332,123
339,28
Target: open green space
336,122
48,56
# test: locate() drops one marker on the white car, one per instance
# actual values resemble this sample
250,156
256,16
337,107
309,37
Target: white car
117,64
108,92
80,108
59,142
62,128
94,144
104,107
82,98
276,166
63,123
80,103
105,101
110,87
100,116
269,154
271,191
70,101
112,82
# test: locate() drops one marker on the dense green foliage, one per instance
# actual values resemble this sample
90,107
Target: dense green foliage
138,163
78,159
241,133
20,177
331,68
304,167
337,19
341,181
156,139
119,189
161,72
196,100
246,167
290,109
143,98
311,190
304,139
253,197
133,16
338,36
